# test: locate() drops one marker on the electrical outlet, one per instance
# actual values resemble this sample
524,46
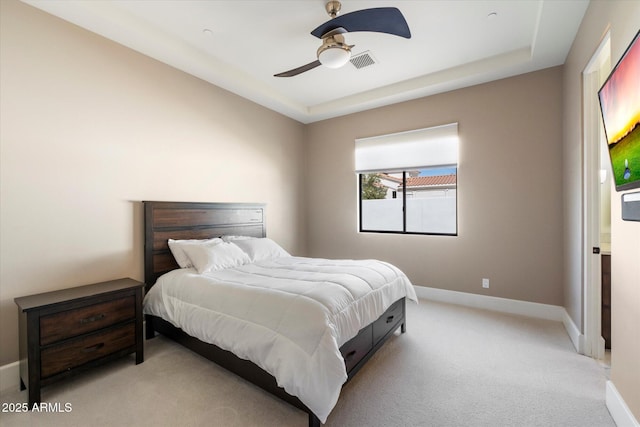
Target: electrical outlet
485,283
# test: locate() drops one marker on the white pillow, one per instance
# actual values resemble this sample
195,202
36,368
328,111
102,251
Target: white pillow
177,249
215,256
261,249
235,238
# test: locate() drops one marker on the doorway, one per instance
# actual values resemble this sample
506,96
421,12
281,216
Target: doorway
596,200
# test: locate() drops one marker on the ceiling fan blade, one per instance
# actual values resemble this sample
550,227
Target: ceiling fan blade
387,20
299,70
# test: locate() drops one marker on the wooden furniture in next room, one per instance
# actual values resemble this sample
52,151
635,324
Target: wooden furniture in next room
67,331
606,300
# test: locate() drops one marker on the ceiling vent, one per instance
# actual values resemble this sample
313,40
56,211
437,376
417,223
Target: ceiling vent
362,60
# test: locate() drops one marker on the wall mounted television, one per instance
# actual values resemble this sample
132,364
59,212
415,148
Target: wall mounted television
619,99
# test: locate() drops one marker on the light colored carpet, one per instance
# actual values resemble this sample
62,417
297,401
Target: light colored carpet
455,367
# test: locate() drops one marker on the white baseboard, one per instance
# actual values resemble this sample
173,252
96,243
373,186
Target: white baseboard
504,305
10,377
618,408
577,338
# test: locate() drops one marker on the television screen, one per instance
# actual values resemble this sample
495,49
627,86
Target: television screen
620,106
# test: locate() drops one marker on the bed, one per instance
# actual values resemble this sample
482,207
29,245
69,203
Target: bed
354,334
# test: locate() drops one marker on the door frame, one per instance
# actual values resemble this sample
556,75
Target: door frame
593,76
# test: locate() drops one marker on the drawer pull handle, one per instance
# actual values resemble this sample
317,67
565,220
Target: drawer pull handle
93,348
390,319
350,354
92,318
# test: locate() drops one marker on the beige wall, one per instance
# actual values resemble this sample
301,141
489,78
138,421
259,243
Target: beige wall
622,19
509,189
89,129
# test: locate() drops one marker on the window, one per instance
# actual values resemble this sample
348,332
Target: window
408,181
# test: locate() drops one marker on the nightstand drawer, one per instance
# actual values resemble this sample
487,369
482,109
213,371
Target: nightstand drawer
74,353
390,320
70,323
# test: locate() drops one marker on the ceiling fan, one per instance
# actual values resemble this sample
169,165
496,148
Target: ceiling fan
335,52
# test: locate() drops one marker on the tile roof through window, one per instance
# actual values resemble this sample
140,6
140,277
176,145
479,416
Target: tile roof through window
422,181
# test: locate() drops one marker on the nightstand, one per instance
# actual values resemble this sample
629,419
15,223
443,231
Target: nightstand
67,331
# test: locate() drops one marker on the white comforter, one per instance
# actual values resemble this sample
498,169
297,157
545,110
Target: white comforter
288,315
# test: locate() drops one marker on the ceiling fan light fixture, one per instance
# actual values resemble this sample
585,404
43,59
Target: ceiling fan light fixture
334,57
334,52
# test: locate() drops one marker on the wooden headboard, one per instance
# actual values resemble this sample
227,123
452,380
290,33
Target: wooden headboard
186,220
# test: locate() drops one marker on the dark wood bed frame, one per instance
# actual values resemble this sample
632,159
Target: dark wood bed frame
185,220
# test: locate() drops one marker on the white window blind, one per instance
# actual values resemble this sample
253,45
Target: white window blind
415,149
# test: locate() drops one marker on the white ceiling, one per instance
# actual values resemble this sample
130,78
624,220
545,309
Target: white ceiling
454,44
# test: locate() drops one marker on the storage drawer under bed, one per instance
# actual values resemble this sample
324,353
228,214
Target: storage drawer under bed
389,321
354,350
